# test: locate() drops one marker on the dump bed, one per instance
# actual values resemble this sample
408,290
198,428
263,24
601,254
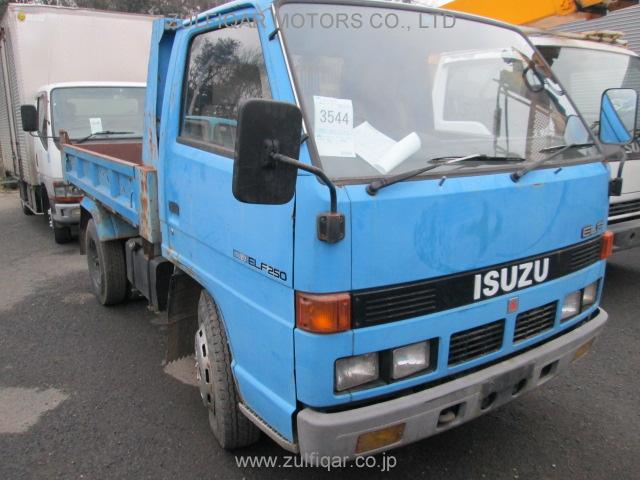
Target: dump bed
114,178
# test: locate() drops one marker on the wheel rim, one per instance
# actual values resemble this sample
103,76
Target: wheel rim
95,269
204,372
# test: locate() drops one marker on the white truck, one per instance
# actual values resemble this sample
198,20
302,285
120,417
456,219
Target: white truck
587,68
71,69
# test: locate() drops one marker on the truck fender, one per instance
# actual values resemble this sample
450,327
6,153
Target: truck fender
108,225
182,315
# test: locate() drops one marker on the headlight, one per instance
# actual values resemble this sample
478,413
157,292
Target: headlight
63,190
59,189
589,295
354,371
571,306
410,359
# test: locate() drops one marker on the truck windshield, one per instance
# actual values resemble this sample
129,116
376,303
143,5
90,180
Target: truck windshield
384,89
587,73
83,111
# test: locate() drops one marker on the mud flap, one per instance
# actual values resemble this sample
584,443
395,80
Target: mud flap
182,316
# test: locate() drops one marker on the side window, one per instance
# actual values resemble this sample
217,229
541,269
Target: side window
42,119
225,67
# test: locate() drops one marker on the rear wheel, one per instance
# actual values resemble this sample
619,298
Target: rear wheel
107,267
215,379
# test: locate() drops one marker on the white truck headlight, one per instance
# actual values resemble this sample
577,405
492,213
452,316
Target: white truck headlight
59,189
589,295
354,371
410,359
571,306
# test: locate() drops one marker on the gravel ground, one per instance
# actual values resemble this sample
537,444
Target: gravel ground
84,392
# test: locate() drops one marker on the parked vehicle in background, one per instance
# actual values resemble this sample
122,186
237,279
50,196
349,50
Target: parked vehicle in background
91,112
450,258
44,50
587,69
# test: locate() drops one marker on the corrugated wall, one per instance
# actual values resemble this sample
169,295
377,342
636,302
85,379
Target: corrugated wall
6,158
626,20
7,162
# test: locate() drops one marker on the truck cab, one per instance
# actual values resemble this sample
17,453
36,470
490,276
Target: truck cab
102,112
587,69
370,234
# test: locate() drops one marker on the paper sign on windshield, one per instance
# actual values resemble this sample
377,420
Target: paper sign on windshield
380,151
96,125
333,126
371,144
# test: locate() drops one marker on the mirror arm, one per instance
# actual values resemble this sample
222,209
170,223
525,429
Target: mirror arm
314,170
615,184
621,163
329,225
35,135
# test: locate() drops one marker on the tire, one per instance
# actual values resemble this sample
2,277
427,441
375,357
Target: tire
46,207
107,267
215,378
62,235
26,210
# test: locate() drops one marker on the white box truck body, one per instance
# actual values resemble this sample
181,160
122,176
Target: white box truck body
46,47
586,69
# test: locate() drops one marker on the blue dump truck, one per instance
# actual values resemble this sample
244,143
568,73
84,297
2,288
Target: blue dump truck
368,222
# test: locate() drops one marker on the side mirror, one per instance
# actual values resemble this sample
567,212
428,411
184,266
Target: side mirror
533,79
266,162
618,116
29,116
266,127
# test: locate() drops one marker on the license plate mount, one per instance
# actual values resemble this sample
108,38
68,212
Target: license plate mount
507,381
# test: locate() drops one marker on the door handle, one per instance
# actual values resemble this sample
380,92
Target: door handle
174,208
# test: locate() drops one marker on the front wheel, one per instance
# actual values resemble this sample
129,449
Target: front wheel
215,379
62,235
107,267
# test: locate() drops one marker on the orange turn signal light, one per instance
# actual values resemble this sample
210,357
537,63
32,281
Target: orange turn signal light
330,313
582,350
606,247
380,438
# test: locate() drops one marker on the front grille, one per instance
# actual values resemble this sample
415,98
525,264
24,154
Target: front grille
476,342
410,300
397,303
584,257
624,208
535,321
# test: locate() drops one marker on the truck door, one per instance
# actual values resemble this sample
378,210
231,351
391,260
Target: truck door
243,254
40,143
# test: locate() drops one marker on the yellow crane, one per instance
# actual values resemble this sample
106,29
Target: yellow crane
536,13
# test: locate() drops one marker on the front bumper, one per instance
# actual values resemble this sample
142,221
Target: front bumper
336,434
66,213
625,234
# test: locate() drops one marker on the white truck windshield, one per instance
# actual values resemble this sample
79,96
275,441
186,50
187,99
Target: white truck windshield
83,111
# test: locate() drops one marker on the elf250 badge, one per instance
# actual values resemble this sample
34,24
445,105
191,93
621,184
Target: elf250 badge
507,279
263,267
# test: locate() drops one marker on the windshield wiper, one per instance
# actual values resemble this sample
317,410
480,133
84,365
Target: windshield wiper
556,150
432,164
103,132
